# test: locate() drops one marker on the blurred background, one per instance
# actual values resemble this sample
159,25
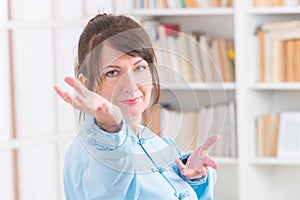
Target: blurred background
37,50
38,45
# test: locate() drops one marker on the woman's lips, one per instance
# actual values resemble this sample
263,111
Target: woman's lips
132,101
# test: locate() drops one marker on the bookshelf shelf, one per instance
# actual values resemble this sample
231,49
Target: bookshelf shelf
275,86
19,24
29,141
276,161
183,12
226,160
274,10
198,86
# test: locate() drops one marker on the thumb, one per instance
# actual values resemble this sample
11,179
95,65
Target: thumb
181,166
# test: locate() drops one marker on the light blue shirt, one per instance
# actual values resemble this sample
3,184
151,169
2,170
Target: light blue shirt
122,166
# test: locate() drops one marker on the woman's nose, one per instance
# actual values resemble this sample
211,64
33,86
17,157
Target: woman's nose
129,83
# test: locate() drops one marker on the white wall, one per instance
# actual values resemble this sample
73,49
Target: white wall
44,35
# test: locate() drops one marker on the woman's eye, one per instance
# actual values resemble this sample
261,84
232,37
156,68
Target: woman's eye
140,68
112,73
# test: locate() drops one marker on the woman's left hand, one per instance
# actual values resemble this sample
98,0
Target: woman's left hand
198,161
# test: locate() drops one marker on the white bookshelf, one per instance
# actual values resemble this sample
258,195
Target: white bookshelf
245,177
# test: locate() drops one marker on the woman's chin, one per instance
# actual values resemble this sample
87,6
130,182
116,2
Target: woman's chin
132,117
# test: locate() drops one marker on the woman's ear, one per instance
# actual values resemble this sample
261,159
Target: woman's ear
83,80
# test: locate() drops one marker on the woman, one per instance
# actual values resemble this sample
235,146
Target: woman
114,156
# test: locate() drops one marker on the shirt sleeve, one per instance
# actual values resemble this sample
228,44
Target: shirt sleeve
87,178
204,186
100,139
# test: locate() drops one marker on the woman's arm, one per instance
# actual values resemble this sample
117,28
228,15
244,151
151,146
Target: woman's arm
107,116
198,162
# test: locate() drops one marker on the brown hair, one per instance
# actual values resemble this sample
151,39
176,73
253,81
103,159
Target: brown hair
123,34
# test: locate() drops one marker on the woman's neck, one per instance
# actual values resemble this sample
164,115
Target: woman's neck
134,123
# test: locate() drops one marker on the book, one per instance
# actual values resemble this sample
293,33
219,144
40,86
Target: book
187,137
151,118
216,3
164,56
219,126
289,135
297,61
216,62
289,47
261,55
280,25
184,55
182,127
191,3
194,56
231,131
267,134
205,58
278,51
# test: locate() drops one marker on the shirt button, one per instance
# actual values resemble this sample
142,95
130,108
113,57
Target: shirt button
92,141
141,141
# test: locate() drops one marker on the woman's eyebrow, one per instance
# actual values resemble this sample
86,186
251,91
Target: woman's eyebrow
116,66
112,66
138,61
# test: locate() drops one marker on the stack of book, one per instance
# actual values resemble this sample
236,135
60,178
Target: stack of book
173,4
279,51
278,135
271,3
191,56
190,129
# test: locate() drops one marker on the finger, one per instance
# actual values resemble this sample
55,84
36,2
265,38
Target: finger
202,150
79,104
85,105
210,142
64,95
70,81
76,84
208,161
181,166
202,171
192,173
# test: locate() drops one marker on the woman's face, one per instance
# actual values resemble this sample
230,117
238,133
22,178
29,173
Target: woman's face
126,82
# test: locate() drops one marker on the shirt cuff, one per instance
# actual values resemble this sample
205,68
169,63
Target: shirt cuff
192,182
101,139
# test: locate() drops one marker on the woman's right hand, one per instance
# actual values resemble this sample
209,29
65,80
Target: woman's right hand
108,116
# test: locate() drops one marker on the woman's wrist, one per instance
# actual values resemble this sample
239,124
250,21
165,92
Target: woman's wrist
110,122
114,127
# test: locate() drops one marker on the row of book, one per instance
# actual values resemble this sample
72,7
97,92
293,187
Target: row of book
173,4
279,51
270,3
278,135
190,129
191,56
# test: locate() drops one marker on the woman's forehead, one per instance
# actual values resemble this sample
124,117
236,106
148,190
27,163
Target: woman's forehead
112,56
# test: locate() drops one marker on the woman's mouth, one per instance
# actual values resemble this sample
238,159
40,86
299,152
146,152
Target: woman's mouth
132,101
